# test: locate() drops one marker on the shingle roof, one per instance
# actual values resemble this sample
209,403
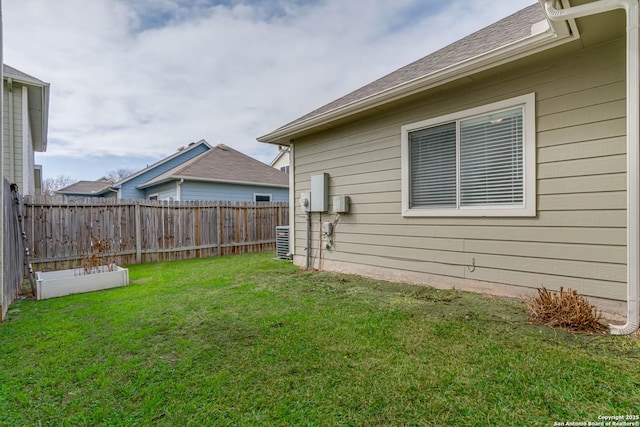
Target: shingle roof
180,152
87,187
502,33
223,163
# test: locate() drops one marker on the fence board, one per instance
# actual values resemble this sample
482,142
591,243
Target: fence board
13,249
60,230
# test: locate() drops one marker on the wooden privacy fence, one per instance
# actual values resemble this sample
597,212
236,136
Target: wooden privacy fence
13,248
60,231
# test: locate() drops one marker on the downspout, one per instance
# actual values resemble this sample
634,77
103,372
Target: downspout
633,149
179,189
292,201
308,243
12,155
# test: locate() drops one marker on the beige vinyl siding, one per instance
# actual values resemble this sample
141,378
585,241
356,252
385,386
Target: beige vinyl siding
578,236
18,135
18,156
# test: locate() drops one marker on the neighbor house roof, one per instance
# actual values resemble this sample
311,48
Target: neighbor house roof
89,188
224,164
179,152
38,101
507,39
278,156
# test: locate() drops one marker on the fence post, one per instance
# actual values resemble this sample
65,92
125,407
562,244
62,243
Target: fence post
219,229
198,237
138,233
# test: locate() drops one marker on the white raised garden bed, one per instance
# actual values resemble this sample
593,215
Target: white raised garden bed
65,282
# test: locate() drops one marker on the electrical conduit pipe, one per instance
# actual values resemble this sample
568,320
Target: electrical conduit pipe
633,149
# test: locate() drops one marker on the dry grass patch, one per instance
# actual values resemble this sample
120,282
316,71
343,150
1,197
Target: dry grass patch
567,310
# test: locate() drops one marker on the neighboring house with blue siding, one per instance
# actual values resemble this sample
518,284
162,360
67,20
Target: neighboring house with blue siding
129,188
220,173
196,172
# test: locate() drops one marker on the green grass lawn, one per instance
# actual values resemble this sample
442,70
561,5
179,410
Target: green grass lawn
249,340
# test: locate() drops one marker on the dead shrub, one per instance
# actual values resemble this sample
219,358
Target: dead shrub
101,258
566,310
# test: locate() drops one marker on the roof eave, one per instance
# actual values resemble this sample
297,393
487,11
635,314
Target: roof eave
550,37
213,180
280,154
83,193
45,118
38,93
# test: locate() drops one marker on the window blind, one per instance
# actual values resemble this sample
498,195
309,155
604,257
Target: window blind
433,166
491,159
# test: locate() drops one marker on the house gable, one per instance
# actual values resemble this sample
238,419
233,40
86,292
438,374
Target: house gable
128,187
26,102
221,173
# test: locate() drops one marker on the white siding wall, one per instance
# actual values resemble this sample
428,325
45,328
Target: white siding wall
5,136
28,159
167,191
282,161
18,152
576,240
13,148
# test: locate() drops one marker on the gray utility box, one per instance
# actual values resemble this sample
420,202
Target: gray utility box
341,204
319,192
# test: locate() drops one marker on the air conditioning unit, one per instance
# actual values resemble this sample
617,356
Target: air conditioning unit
282,242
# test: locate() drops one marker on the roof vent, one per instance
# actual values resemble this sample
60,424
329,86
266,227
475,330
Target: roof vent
181,148
223,147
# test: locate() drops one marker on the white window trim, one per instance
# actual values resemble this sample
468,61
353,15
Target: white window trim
528,208
264,195
150,196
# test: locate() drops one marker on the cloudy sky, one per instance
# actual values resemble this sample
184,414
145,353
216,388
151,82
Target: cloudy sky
132,80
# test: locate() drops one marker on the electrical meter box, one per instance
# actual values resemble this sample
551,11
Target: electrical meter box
305,202
341,204
320,191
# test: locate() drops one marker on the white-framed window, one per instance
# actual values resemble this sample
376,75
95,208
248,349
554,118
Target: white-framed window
153,196
476,162
284,169
259,197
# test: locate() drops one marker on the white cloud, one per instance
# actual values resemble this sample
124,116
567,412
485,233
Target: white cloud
143,77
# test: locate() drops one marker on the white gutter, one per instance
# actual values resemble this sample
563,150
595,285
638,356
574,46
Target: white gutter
292,200
633,149
542,38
